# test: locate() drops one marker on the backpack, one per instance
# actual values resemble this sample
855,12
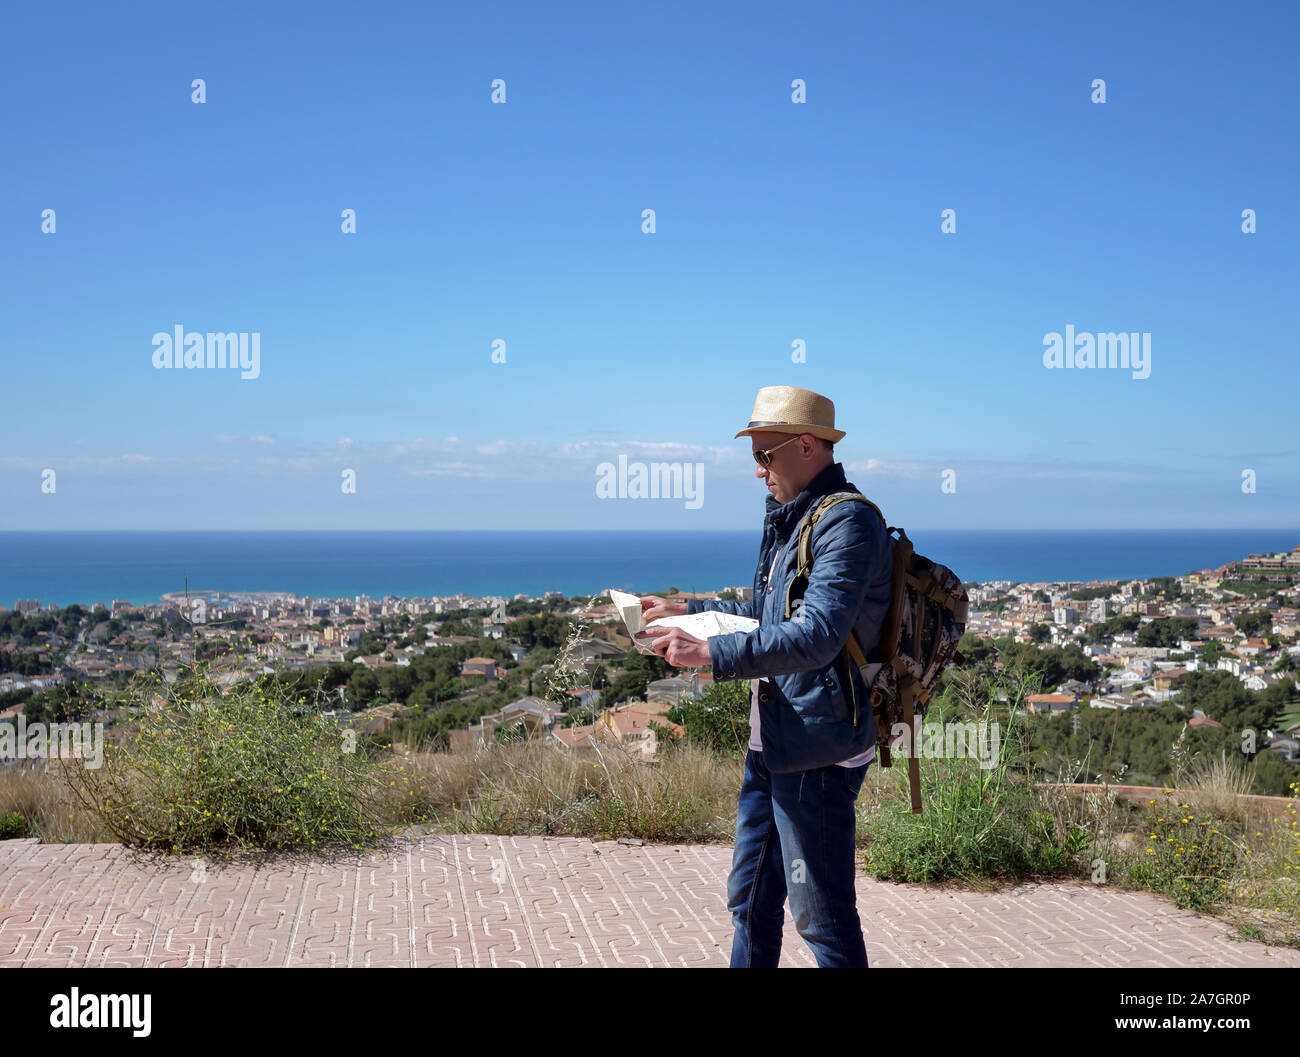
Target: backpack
918,639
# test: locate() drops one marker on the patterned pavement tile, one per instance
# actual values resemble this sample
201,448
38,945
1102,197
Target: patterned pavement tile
479,900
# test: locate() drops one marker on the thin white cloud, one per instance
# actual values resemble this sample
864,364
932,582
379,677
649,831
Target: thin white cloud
995,469
231,438
558,463
461,470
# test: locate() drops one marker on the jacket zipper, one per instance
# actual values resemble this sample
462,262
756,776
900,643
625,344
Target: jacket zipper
853,694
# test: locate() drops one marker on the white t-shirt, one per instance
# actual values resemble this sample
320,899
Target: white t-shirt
756,742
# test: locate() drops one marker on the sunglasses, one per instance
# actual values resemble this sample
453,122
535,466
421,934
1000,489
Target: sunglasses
764,458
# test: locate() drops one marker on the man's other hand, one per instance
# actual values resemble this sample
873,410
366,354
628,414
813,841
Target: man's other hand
653,607
676,647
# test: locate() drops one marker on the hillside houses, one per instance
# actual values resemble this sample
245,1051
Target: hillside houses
582,697
592,650
376,660
528,715
1155,673
678,688
1169,679
626,725
287,633
1122,701
478,667
1051,704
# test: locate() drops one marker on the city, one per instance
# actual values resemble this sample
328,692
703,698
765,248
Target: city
446,672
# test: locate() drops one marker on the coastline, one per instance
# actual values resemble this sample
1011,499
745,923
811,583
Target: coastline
142,568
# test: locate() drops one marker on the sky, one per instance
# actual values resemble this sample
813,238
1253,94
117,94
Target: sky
794,243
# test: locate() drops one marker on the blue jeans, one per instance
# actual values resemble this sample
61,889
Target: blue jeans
795,835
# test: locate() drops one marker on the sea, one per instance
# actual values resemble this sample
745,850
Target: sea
139,567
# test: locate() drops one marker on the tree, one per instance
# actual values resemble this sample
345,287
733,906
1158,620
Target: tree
396,683
363,688
976,648
718,719
1167,587
1273,774
628,686
1167,632
546,630
1105,630
1222,697
1254,623
1055,665
68,702
1211,652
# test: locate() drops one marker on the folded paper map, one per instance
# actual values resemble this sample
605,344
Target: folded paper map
701,625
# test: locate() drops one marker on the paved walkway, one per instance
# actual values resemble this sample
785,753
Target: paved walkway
522,901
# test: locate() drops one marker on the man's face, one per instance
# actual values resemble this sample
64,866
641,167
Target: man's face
786,476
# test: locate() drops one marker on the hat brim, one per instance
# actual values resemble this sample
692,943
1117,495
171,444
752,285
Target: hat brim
824,432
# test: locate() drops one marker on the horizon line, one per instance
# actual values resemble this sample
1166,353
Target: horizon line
1078,528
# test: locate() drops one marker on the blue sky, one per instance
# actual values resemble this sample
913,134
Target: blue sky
521,221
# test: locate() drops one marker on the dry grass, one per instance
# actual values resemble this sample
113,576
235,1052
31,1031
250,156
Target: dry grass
1265,890
52,812
1261,892
1106,817
529,787
689,796
1217,786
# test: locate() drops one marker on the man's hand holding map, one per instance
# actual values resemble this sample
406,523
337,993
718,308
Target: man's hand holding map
685,647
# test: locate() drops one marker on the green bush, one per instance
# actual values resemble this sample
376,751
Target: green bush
1189,858
717,720
12,825
970,832
977,823
205,767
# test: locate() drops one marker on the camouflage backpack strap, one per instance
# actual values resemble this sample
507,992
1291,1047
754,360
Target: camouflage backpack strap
824,506
926,585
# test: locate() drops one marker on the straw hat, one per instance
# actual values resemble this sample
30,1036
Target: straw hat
785,409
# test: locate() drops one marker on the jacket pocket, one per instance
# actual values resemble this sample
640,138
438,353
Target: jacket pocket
816,697
831,683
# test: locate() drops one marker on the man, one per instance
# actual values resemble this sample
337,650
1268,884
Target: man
812,731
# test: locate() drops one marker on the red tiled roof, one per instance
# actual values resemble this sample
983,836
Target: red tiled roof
574,737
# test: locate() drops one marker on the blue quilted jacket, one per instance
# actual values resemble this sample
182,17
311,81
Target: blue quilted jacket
813,711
